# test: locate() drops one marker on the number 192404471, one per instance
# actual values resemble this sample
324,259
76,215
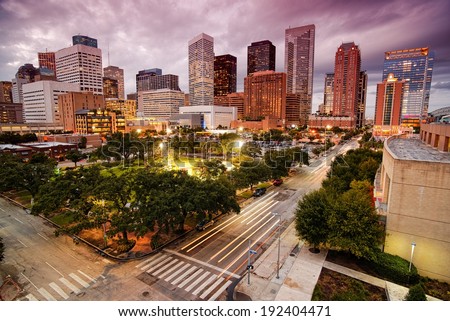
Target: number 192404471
279,311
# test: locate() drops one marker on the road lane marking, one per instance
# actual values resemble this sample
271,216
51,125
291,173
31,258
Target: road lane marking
70,285
244,240
21,242
31,297
189,279
58,290
29,280
182,276
42,236
236,239
204,285
159,259
154,267
173,268
246,251
46,295
219,292
169,264
79,280
200,278
180,270
87,276
18,220
218,269
54,269
211,288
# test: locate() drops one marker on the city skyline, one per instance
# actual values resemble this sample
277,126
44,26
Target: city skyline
163,42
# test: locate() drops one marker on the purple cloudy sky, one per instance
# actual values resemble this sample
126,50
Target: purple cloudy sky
154,33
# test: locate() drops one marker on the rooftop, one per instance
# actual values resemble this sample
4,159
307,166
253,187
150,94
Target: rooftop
414,149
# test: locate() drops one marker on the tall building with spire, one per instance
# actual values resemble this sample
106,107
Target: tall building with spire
116,73
201,70
299,65
414,67
350,84
260,56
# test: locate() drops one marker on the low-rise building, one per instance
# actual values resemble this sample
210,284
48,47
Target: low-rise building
212,116
324,121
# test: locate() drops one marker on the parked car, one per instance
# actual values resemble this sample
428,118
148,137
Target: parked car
259,191
277,182
204,224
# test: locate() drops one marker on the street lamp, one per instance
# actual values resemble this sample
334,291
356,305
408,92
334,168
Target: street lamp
413,245
279,243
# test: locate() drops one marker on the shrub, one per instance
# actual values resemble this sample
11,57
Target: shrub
394,268
355,292
416,293
124,245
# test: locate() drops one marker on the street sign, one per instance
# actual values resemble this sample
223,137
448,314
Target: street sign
252,252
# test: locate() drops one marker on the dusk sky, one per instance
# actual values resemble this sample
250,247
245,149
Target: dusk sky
154,33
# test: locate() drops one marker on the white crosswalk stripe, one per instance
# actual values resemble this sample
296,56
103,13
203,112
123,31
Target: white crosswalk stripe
204,285
189,279
164,267
70,285
219,292
197,281
162,276
153,260
212,287
180,268
79,280
58,290
180,271
156,266
31,297
46,295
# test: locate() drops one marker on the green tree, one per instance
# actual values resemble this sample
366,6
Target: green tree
9,171
279,162
311,218
250,173
75,156
211,169
416,293
353,222
83,142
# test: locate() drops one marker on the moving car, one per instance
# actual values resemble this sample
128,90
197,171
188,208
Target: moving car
259,191
204,224
277,182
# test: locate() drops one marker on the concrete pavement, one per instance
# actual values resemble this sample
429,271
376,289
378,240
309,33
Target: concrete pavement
298,274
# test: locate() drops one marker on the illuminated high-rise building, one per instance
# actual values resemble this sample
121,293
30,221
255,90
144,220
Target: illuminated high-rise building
116,73
328,94
265,95
260,56
6,92
84,40
47,60
224,75
82,65
110,88
201,70
415,67
153,79
350,84
299,65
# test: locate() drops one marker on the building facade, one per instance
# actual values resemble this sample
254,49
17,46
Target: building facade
11,113
6,92
47,60
84,40
328,94
361,103
201,70
160,104
260,57
99,121
388,107
124,107
415,67
153,79
437,135
224,75
110,88
71,102
40,100
299,65
81,65
212,116
412,191
116,73
265,95
25,74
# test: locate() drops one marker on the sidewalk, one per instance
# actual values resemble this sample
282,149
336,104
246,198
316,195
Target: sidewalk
299,272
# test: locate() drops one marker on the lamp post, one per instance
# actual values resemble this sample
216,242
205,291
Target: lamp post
413,245
279,242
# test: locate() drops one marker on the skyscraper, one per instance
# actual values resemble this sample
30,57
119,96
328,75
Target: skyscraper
153,79
265,95
361,100
260,56
415,67
6,92
116,73
347,69
47,60
110,88
388,106
82,65
84,40
201,70
25,74
299,64
328,94
224,75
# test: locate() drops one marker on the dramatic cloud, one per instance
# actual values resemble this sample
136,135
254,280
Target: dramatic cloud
144,34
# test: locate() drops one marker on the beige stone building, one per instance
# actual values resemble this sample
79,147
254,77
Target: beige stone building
412,190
